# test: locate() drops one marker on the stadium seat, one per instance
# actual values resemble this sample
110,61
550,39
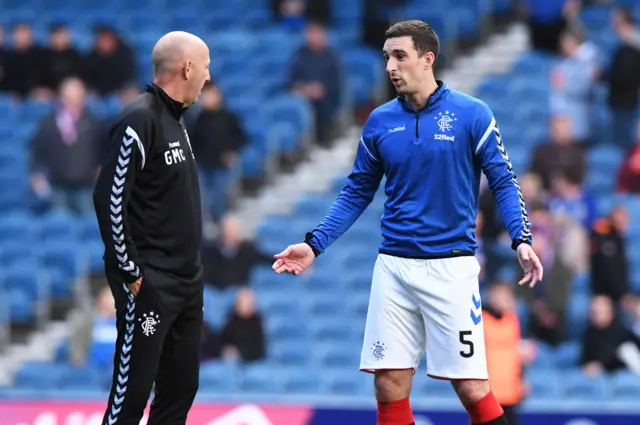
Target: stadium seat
44,376
218,376
545,384
58,226
568,355
260,378
625,386
80,378
578,386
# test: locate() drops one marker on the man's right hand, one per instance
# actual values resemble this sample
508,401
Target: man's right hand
134,287
295,259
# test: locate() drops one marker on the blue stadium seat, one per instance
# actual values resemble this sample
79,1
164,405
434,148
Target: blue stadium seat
568,355
577,314
578,386
430,387
44,376
299,381
544,357
290,353
58,226
293,109
324,305
22,308
344,382
218,376
66,262
369,66
284,329
327,330
260,378
625,386
80,378
336,356
545,384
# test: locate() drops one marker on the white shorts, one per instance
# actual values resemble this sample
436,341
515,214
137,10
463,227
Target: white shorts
432,305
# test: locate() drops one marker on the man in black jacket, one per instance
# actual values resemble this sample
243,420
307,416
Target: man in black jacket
609,264
147,200
623,78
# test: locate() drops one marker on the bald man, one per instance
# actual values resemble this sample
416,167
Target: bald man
147,199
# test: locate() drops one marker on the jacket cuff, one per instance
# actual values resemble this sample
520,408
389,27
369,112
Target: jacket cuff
307,239
131,272
517,242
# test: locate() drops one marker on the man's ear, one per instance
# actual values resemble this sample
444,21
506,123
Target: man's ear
187,69
430,59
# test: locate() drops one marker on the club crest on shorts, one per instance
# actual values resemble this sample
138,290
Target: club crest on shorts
378,350
148,323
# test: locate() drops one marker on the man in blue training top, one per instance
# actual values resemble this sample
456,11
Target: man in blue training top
431,143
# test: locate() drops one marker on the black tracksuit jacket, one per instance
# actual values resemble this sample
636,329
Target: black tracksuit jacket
147,197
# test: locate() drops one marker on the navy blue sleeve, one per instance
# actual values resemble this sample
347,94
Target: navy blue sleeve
494,161
362,185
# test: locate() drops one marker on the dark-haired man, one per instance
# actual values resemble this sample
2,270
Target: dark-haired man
431,143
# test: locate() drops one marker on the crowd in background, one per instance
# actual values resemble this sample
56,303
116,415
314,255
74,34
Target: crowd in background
569,235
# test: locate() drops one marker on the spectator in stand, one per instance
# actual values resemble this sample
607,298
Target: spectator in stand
61,59
24,62
242,337
65,152
562,154
608,345
111,65
573,84
294,14
230,259
563,248
316,75
217,137
623,79
507,353
547,20
609,264
570,198
629,174
93,341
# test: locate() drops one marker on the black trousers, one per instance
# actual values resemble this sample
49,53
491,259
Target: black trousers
159,333
511,413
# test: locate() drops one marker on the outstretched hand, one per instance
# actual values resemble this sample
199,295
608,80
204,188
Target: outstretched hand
530,264
294,260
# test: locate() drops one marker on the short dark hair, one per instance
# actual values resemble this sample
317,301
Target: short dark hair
423,35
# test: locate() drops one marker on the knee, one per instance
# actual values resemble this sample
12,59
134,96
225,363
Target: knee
392,385
471,391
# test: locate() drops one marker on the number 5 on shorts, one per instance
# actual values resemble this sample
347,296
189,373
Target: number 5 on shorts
469,344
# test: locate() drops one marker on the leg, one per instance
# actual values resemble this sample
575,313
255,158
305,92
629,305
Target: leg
510,412
142,327
452,311
393,341
178,375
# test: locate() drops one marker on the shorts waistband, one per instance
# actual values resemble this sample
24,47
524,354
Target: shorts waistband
453,254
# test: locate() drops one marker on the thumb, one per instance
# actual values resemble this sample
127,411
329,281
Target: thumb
284,254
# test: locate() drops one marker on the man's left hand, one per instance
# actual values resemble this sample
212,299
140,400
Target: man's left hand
530,264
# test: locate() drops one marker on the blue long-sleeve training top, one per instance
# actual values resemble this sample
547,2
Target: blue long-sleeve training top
432,159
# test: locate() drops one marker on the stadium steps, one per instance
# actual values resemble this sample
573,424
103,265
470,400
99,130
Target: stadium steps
495,57
314,175
40,347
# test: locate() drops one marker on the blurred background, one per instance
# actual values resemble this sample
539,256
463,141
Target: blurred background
275,135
